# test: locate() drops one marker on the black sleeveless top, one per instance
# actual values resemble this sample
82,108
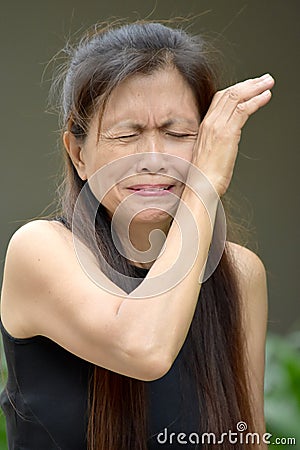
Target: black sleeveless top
45,400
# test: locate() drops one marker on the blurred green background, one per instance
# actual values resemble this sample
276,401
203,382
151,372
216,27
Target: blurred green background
255,37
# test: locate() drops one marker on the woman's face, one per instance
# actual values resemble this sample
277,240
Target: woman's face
153,117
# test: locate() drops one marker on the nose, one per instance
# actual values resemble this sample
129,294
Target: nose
152,157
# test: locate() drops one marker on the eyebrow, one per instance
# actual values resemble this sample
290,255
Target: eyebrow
179,121
138,126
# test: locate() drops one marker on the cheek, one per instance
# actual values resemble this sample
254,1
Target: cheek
179,167
107,177
183,160
187,155
114,156
100,162
182,149
110,202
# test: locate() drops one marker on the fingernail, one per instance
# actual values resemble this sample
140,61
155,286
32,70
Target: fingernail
265,76
266,93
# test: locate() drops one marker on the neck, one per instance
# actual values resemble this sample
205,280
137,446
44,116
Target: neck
145,241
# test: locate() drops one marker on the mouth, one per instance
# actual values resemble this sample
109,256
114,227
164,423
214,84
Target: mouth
151,189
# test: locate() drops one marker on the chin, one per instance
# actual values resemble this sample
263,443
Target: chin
152,215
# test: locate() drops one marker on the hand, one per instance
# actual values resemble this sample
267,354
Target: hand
220,131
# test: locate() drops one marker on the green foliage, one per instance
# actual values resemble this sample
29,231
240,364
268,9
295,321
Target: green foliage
282,389
3,444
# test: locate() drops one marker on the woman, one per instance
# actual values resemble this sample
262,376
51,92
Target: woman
100,354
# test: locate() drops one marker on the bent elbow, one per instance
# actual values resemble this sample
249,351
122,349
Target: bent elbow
148,364
157,367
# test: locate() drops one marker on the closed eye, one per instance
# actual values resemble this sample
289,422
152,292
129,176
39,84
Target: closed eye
126,136
181,135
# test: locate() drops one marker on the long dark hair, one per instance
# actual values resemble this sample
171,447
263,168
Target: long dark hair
214,352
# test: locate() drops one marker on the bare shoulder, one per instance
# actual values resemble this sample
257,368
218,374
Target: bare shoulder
32,250
252,280
34,243
32,253
250,268
33,233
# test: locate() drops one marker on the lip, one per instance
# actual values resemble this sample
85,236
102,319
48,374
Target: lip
147,190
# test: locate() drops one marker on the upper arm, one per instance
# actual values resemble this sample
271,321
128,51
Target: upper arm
46,292
253,285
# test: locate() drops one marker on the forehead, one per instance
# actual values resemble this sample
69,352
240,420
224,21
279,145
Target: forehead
162,96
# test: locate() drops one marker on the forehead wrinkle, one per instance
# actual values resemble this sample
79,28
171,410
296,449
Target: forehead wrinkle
179,121
136,125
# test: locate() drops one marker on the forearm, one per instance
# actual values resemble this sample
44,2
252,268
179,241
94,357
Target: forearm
161,321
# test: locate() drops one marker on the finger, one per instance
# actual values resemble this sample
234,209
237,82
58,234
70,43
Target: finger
244,110
226,100
239,87
241,94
